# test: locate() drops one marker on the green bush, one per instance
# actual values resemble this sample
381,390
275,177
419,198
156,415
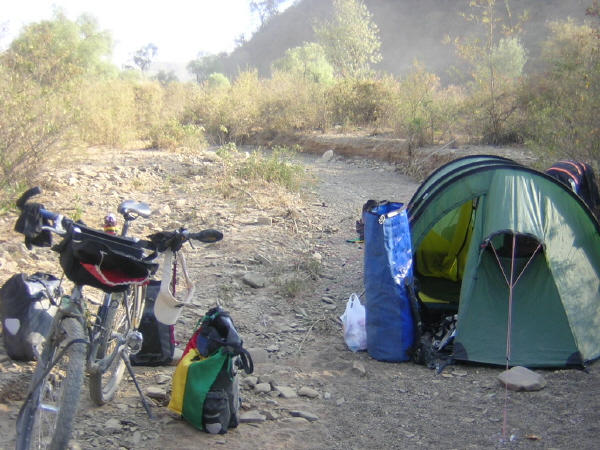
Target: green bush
274,166
356,102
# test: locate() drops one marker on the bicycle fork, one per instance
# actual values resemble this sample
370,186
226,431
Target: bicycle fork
125,346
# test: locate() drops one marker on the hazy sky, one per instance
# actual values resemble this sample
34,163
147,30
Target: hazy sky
179,28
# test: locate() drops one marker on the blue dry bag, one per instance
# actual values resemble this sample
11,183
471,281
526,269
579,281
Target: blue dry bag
387,273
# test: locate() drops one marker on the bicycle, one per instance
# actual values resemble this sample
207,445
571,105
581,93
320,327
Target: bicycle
80,341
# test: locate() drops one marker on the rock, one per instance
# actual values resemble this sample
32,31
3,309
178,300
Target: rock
286,392
163,379
305,415
112,426
252,417
359,369
522,379
294,421
254,280
308,392
136,438
263,260
262,387
264,220
250,381
156,392
259,355
270,415
327,156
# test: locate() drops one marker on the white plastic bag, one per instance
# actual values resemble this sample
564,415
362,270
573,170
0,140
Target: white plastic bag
353,319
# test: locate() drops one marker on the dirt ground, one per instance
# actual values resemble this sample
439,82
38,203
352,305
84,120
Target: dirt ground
298,244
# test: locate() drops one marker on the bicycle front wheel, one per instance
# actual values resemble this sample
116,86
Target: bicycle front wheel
118,318
47,417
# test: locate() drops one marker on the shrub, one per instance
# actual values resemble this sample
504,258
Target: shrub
36,123
108,113
275,166
562,106
172,134
228,114
291,103
356,102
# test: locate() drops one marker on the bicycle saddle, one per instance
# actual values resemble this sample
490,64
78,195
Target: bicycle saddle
133,207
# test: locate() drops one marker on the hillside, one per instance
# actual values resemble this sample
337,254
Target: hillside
408,29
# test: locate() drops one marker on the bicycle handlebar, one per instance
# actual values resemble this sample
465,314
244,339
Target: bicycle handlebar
172,240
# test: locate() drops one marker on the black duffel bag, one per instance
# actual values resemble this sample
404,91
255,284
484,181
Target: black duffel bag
26,312
112,263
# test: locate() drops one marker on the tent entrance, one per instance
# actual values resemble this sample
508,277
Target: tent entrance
513,252
501,307
442,256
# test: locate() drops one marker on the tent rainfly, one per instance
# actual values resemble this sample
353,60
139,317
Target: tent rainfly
517,254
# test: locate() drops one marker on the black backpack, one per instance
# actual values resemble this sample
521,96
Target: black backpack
26,312
159,339
217,333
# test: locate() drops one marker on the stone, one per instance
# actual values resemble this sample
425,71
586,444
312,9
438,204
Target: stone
305,415
254,280
264,220
286,392
112,426
262,387
293,421
327,156
308,392
156,392
359,369
259,355
522,379
250,381
252,417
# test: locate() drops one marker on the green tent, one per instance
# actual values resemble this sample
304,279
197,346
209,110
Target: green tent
517,254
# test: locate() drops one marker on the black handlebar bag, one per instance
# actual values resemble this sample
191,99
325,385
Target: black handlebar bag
112,263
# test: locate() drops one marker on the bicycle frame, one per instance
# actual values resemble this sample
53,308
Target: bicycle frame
68,306
130,341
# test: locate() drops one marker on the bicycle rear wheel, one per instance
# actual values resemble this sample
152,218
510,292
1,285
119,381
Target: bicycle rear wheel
46,418
118,317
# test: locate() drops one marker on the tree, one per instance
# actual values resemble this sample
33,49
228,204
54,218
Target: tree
144,56
496,59
308,62
59,50
205,65
164,77
265,9
42,75
562,104
350,39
